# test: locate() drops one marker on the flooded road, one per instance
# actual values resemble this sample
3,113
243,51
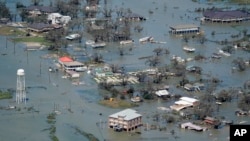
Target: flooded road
79,104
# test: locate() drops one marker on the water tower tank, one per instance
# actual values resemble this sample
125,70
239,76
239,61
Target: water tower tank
20,72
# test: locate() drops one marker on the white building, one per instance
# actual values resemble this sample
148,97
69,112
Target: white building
184,102
57,18
127,119
162,93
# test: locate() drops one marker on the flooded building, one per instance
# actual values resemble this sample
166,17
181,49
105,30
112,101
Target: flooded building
225,16
184,29
184,102
127,120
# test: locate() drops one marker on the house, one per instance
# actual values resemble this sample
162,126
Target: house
69,64
218,16
184,29
133,16
160,93
184,102
57,18
212,121
40,27
39,10
103,72
191,126
127,120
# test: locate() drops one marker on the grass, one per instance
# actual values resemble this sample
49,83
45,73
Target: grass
90,137
7,30
5,95
117,103
30,39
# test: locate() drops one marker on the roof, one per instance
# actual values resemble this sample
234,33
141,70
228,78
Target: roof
184,26
226,14
188,99
182,102
73,63
162,92
40,26
128,114
46,9
65,59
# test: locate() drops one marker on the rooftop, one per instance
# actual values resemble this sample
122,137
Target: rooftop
226,14
128,114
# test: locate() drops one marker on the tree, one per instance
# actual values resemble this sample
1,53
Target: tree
158,51
36,2
4,11
244,103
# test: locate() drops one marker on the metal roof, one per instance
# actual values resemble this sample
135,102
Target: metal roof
73,63
184,26
128,114
226,14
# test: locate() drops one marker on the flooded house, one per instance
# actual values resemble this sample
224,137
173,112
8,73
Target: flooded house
184,102
127,120
191,126
162,93
212,122
69,64
133,16
184,29
41,27
219,16
36,10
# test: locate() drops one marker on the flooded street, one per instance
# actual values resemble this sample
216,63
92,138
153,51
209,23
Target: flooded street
78,105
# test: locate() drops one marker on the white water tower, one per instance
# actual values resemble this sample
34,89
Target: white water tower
20,87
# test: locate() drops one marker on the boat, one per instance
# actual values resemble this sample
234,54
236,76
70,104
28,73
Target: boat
188,49
89,42
224,53
73,36
126,42
146,39
98,45
136,99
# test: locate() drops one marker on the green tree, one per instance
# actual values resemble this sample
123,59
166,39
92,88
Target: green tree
4,11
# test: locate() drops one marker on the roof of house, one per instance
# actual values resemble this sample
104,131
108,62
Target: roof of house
65,59
188,99
128,114
184,26
73,63
46,9
226,14
40,26
162,92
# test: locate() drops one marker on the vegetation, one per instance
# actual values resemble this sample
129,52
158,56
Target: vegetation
7,30
90,137
5,95
115,103
30,39
4,11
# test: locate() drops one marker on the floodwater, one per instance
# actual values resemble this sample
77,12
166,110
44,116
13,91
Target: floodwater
49,91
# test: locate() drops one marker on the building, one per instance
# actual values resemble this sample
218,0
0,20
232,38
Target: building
41,27
225,16
39,10
127,120
184,102
191,126
184,29
69,64
162,93
57,18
